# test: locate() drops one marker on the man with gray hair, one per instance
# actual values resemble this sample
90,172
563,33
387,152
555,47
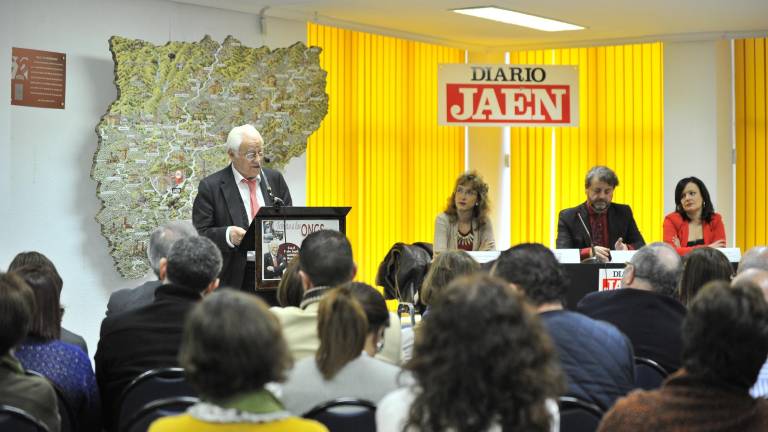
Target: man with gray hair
148,337
598,225
228,200
755,258
160,242
644,308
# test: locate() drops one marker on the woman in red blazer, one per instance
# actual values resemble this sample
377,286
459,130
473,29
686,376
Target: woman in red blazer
694,222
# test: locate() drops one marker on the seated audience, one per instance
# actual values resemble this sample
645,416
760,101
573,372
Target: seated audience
32,394
228,360
760,279
66,365
757,258
36,258
160,242
644,308
325,261
725,339
343,365
694,223
597,359
290,290
483,362
699,267
148,337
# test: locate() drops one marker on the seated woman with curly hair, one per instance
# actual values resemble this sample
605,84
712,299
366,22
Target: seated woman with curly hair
483,363
465,223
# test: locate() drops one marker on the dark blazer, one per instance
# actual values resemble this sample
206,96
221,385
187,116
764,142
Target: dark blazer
218,205
278,267
653,322
621,223
132,298
138,340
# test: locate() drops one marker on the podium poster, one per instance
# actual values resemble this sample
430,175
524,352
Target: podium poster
281,240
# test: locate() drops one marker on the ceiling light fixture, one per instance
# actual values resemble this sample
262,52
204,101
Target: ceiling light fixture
518,18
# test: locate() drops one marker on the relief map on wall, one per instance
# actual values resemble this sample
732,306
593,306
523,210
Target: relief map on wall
168,127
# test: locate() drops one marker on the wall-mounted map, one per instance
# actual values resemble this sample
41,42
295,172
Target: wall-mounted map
166,130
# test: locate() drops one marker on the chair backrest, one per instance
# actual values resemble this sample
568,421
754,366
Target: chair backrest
17,420
345,415
577,415
150,386
154,410
648,374
68,418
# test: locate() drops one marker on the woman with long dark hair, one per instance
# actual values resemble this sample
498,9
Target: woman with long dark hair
694,223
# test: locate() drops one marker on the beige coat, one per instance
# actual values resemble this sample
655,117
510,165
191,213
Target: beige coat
447,234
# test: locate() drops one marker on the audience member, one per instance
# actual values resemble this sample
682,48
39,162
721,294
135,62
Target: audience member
757,257
32,394
66,365
160,242
343,365
228,360
596,357
644,308
483,361
36,258
700,266
725,337
383,341
760,279
148,337
290,289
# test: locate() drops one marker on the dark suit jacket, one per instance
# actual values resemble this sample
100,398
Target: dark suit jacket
218,205
621,223
278,267
132,298
652,322
138,340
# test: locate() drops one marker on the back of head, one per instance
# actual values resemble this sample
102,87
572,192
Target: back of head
17,306
163,237
659,265
446,267
533,268
699,267
757,257
232,344
725,334
46,320
193,262
325,258
373,304
483,356
290,290
603,174
342,327
37,259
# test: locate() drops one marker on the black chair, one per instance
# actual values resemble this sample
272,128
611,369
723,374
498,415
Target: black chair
68,418
577,415
345,415
154,410
648,374
17,420
152,385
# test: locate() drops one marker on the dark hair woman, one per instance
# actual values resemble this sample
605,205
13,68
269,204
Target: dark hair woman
694,222
699,267
464,224
483,361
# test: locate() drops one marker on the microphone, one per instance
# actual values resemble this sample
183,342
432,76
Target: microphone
277,202
593,258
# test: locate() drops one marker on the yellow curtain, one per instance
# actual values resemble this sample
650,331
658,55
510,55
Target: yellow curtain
621,126
751,83
379,150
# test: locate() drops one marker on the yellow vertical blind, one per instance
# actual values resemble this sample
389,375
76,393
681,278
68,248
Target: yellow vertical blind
751,85
379,150
621,126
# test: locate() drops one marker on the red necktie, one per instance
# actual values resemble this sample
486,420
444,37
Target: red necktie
254,202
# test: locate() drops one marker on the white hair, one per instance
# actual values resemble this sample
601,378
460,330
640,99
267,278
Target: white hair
235,137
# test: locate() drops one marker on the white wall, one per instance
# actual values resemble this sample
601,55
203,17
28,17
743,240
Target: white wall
697,121
48,198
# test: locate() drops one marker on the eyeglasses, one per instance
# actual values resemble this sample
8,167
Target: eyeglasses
251,155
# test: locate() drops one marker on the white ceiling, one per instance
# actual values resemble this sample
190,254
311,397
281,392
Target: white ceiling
607,21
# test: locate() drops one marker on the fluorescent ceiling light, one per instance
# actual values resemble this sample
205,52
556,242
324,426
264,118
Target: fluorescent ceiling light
518,18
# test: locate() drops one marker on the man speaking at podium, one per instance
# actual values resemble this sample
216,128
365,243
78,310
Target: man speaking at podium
598,225
227,201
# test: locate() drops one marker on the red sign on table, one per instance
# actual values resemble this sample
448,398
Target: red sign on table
38,78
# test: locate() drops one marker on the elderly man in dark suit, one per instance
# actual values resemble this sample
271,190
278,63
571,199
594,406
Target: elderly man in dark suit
599,225
227,201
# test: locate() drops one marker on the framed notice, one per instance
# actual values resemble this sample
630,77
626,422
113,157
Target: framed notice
281,240
38,78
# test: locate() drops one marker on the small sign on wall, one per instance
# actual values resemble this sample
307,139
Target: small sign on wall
507,95
38,78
